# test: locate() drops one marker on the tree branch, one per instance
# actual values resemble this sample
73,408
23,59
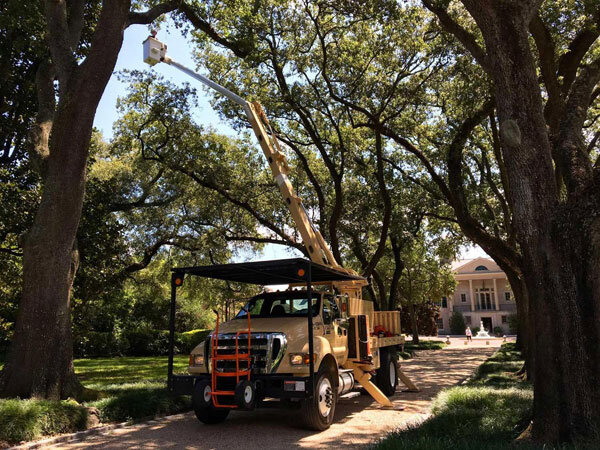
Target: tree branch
548,67
58,39
266,240
149,16
10,251
568,63
239,49
465,38
75,22
387,207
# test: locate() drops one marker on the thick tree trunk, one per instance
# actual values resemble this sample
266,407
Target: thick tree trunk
40,361
414,322
558,264
523,335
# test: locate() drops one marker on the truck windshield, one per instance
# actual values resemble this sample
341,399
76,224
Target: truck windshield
280,304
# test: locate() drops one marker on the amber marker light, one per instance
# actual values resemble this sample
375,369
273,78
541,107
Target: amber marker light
178,281
300,272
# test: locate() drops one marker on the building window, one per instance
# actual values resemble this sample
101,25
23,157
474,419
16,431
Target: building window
463,298
504,319
440,324
444,302
507,296
481,268
468,320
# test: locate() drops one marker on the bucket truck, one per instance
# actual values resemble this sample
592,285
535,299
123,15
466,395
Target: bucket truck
303,347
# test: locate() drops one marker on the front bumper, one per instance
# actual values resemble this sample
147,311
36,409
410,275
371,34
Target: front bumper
271,386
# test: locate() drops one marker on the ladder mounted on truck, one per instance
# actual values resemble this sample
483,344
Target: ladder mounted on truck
238,373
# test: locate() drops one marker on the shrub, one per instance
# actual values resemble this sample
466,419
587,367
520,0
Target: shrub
26,420
498,331
513,324
98,343
141,341
475,330
427,316
185,342
457,323
135,401
144,341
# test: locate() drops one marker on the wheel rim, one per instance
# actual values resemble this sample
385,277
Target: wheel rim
248,394
207,393
393,376
325,397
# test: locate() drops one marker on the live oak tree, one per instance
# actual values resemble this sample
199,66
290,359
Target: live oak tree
554,186
81,41
426,276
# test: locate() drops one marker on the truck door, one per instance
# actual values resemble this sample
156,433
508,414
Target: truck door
334,333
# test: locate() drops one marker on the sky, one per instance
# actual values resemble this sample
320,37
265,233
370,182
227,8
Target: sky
131,58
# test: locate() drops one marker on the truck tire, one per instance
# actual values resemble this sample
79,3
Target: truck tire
386,378
245,395
317,412
203,405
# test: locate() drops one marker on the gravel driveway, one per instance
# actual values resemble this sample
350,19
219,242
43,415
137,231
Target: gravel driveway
358,421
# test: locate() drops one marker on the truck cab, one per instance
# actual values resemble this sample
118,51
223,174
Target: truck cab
279,338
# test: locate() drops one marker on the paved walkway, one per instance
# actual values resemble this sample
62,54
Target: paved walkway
358,421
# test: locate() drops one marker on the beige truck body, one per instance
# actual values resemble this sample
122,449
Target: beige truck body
329,338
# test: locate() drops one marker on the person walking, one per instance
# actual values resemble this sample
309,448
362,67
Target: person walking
469,334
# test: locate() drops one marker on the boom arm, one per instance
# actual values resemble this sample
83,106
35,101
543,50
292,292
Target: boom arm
318,251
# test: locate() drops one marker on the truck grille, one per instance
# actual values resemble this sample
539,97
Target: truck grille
267,350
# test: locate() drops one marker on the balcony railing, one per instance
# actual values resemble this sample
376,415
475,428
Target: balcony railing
462,308
510,307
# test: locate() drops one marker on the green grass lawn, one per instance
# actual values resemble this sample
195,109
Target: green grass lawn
96,373
410,348
128,389
486,413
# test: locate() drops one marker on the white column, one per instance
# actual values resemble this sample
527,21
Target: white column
471,294
496,296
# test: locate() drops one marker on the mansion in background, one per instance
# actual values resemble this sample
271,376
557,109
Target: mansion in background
482,294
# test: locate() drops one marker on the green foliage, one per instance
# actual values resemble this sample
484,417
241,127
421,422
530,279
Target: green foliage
410,349
427,314
135,401
498,331
513,324
424,345
26,420
457,323
187,341
139,341
427,276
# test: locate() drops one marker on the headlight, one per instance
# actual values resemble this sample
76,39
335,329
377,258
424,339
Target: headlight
297,359
196,360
